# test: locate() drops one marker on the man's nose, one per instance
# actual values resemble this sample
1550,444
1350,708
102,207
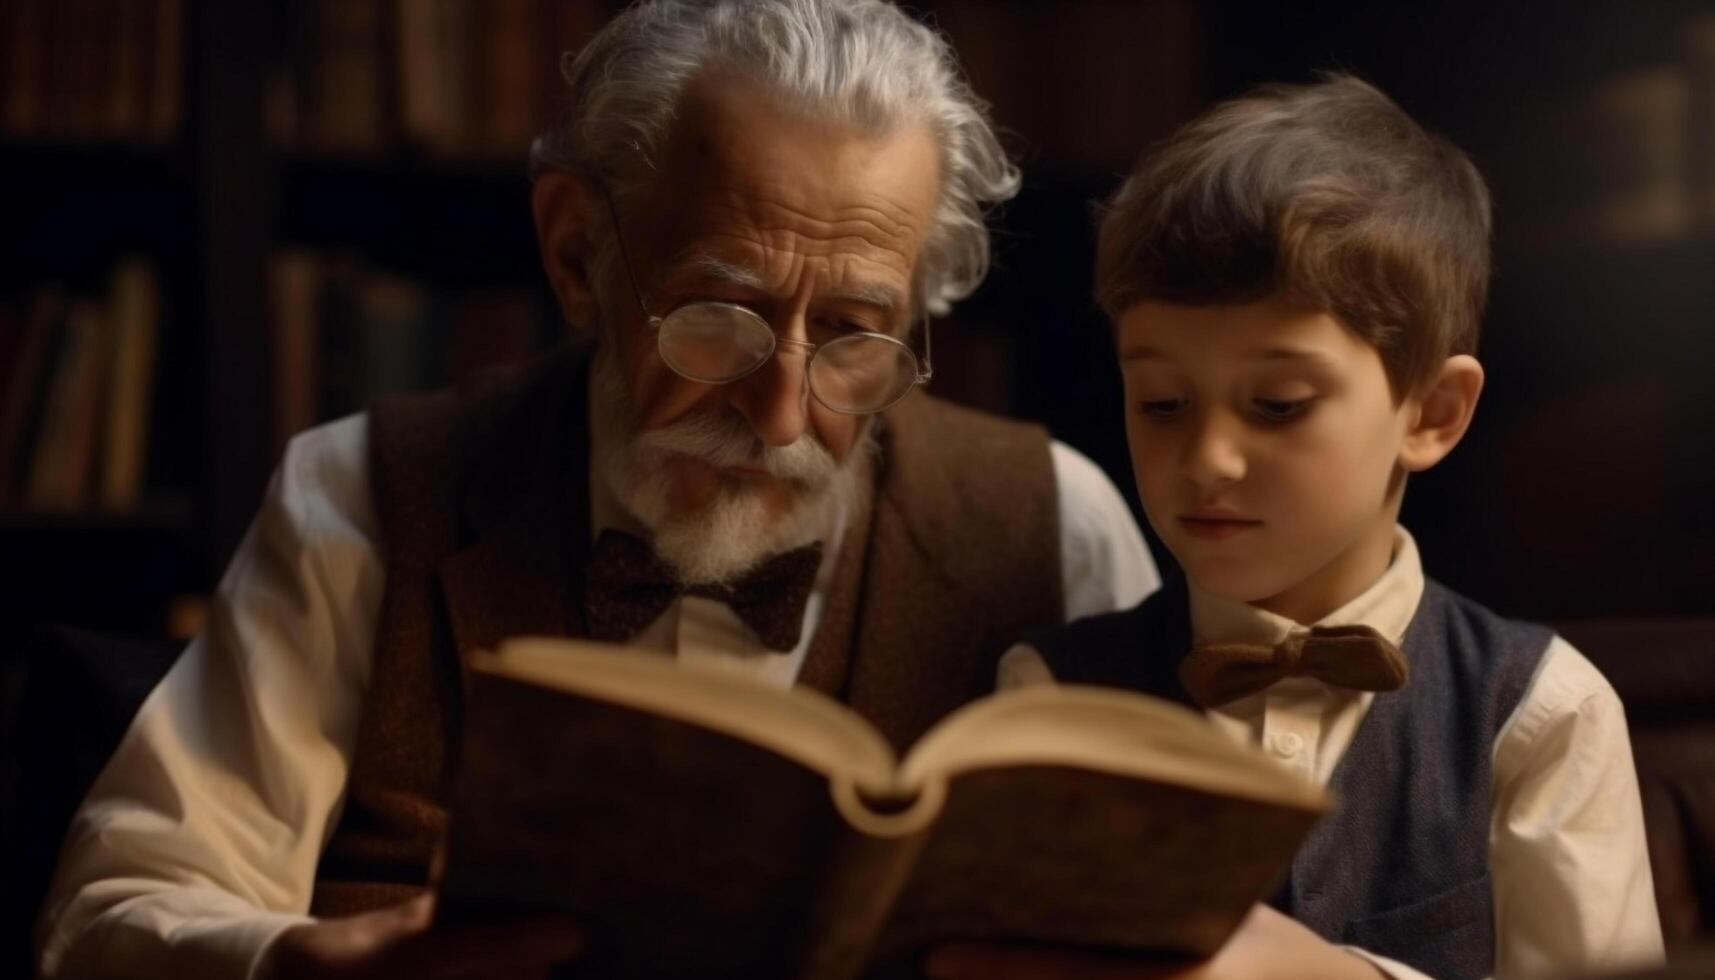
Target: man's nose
774,399
1213,455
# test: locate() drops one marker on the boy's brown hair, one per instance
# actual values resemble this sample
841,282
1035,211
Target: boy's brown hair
1327,194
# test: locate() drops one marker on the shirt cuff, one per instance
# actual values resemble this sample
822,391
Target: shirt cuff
142,939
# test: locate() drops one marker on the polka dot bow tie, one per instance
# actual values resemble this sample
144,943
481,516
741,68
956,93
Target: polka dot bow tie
627,587
1355,657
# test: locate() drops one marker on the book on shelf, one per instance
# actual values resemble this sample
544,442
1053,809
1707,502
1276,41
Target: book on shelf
457,78
1698,44
1642,129
135,326
79,397
295,278
26,374
349,87
700,822
344,332
62,460
92,69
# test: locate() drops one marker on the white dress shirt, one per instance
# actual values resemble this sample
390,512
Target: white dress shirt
198,842
1572,884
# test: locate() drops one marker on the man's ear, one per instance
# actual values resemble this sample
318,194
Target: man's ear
1443,412
564,205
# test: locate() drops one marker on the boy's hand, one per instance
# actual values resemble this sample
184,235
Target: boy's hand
1267,946
398,942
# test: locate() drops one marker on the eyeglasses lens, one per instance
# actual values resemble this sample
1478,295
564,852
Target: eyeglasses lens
713,342
716,343
862,374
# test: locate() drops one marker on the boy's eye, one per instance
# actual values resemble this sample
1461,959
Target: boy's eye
1161,408
1280,409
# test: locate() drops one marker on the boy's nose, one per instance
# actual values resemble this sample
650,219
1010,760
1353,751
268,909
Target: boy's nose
774,399
1213,455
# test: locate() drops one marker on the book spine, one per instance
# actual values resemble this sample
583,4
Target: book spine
63,458
512,76
27,379
135,327
125,94
1643,124
865,877
421,116
1699,42
26,66
295,292
167,79
456,52
350,117
397,331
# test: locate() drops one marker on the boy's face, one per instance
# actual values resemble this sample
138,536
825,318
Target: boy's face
1266,445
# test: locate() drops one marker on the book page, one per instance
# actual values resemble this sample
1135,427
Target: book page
1097,818
1105,730
800,723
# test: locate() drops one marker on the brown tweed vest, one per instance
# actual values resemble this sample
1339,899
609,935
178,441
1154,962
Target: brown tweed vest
482,503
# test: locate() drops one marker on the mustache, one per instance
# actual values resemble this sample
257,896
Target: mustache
725,440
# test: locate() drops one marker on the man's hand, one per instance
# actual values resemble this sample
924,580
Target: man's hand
1267,946
397,942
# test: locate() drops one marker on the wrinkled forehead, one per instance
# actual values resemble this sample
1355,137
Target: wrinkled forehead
741,166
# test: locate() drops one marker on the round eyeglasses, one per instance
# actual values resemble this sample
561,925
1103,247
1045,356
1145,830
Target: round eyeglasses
855,374
712,342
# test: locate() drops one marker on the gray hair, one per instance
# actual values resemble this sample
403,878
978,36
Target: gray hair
859,62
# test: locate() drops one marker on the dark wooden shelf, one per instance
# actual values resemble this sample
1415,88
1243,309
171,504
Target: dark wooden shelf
457,222
165,513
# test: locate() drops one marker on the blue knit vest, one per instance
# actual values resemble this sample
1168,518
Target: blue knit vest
1401,866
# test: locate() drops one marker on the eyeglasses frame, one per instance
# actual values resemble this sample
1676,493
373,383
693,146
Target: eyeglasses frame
925,368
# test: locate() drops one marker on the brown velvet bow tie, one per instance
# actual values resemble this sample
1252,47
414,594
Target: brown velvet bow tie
626,587
1348,656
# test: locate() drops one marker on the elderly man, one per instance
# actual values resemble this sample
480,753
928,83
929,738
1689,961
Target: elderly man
746,207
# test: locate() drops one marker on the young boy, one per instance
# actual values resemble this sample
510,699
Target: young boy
1296,280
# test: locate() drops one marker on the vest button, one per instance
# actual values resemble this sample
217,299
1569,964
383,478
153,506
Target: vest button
1286,744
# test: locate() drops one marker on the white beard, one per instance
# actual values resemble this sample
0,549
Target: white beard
736,529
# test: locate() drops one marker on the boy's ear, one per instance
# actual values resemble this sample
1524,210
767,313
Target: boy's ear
564,204
1442,414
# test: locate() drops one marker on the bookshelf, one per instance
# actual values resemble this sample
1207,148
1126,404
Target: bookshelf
202,141
100,460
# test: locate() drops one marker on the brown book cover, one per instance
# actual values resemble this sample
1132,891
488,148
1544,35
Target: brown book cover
25,78
295,284
128,79
167,69
1642,127
702,823
350,113
62,463
1698,42
136,312
511,112
28,375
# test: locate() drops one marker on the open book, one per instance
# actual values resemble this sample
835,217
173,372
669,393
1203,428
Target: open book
705,824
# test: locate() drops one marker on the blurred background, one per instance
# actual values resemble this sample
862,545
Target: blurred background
224,222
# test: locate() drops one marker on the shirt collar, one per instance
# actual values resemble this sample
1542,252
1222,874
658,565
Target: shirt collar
1387,606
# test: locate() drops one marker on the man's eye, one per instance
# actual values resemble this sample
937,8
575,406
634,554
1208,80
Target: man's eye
1161,408
1280,409
829,327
